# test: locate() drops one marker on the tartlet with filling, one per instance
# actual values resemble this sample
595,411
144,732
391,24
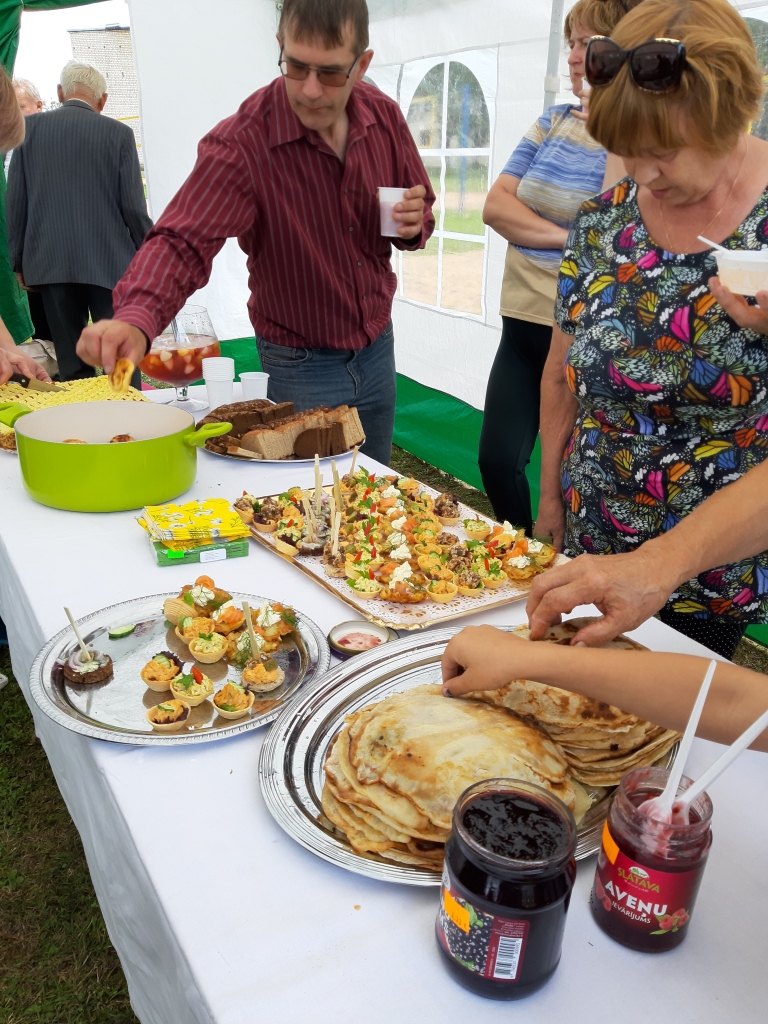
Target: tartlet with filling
170,716
161,671
208,648
491,572
447,509
288,537
190,628
199,599
442,591
469,583
476,529
233,701
365,587
192,688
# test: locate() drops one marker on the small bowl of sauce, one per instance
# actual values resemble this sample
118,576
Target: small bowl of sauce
358,636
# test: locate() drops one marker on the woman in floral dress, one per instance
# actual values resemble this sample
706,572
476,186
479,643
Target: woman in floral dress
657,393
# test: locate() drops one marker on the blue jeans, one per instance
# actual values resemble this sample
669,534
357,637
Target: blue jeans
364,378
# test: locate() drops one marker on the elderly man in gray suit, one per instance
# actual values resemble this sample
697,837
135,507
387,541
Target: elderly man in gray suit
76,210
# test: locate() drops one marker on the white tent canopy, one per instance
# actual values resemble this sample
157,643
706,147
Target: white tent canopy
198,59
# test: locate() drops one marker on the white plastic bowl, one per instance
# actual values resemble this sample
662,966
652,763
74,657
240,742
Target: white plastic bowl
744,271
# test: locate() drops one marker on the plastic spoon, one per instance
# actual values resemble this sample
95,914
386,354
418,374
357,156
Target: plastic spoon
708,241
660,807
682,806
88,654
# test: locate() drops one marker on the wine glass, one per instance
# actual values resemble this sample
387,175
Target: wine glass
176,356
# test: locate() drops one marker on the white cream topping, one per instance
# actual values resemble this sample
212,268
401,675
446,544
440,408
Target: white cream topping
400,553
267,616
507,527
520,562
217,614
399,522
201,595
401,574
396,539
390,492
535,546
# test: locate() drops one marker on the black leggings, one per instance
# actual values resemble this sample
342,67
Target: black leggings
511,418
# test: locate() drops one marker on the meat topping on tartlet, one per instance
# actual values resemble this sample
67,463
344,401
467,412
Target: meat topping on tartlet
447,506
469,579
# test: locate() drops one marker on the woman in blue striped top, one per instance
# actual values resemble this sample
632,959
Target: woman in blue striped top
553,170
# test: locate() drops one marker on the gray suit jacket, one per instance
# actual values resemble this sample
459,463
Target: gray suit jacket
76,207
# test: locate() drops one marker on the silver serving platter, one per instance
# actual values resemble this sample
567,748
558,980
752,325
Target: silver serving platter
115,710
295,749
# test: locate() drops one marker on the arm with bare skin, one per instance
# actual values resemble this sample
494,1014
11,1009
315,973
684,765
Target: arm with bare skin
556,422
513,220
484,658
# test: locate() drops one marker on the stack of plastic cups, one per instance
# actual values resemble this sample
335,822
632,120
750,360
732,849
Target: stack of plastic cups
219,374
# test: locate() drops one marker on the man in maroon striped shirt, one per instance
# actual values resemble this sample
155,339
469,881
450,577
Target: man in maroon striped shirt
294,176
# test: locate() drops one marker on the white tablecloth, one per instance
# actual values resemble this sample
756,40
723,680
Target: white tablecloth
296,939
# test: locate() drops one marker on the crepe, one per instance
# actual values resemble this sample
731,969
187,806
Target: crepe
599,741
397,768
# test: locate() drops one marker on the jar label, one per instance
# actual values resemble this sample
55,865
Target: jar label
648,901
491,946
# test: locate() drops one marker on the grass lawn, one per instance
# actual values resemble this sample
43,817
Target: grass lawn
57,965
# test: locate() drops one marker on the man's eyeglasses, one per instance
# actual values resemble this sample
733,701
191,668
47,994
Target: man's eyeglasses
655,66
299,72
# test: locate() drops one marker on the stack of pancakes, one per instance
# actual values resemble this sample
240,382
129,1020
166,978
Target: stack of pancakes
397,768
600,742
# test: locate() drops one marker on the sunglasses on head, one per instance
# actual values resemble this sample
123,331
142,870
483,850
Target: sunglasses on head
655,66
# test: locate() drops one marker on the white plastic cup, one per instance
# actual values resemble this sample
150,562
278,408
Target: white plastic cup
254,385
388,197
218,368
219,392
744,271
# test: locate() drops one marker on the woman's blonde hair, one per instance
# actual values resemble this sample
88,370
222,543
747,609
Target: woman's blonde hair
600,16
11,117
718,96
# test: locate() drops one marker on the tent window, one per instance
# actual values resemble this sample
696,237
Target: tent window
450,123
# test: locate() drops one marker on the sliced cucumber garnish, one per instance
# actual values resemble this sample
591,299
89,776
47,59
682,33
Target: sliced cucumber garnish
120,631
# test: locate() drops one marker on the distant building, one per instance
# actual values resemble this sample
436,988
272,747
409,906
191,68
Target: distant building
110,49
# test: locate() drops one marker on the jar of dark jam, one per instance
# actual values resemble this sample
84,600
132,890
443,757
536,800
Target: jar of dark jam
507,881
648,872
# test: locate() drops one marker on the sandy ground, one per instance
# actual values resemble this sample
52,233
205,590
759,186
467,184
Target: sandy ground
462,279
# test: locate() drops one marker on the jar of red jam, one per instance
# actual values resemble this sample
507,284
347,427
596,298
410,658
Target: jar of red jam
648,872
507,881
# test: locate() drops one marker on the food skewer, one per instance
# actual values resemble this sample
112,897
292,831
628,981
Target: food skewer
251,634
336,528
332,518
308,513
318,484
336,484
354,460
88,654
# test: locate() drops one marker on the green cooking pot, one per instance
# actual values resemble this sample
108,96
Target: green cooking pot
158,465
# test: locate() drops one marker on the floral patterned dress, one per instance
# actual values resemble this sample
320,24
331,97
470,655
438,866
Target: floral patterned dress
673,394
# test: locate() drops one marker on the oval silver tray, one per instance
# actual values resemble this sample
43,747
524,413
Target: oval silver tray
294,751
115,710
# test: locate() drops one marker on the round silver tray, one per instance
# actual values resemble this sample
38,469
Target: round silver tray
115,710
278,462
294,752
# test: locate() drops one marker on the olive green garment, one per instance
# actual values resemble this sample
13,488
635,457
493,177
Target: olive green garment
14,308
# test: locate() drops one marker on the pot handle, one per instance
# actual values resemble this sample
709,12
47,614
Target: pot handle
197,438
11,411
